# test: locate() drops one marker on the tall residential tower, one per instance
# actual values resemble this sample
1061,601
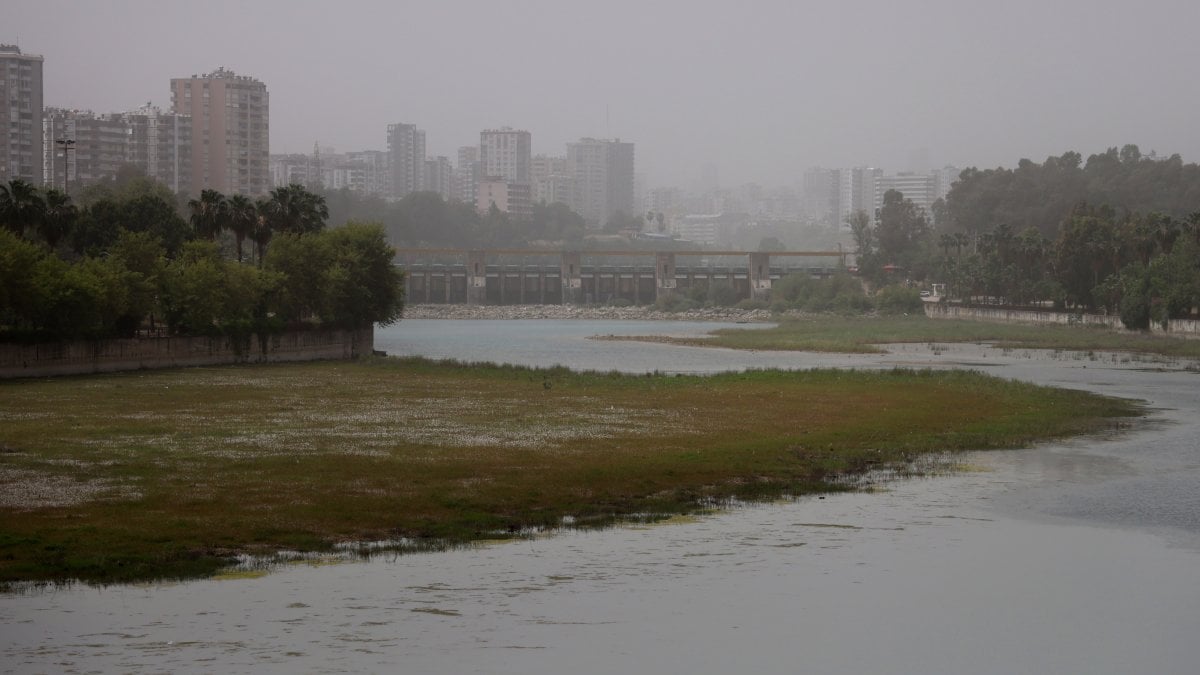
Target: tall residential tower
230,131
602,179
21,111
406,146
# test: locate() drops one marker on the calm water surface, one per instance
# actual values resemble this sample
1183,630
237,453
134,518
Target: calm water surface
1081,557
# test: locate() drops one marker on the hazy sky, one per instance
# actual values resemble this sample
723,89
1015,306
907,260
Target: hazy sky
762,90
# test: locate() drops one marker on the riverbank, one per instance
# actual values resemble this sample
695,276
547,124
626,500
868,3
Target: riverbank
167,474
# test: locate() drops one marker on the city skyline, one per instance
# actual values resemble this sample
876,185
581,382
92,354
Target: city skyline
761,93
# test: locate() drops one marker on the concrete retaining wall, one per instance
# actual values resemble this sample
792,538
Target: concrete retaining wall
1189,328
101,356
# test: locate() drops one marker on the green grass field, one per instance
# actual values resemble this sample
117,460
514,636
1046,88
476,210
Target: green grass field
166,474
863,335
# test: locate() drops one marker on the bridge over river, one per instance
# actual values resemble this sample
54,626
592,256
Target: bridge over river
535,276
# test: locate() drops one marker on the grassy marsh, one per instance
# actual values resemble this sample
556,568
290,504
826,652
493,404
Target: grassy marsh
851,335
166,474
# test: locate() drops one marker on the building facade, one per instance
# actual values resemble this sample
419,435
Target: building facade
406,147
230,131
439,176
468,172
21,154
157,143
98,147
509,197
551,183
602,174
919,188
160,144
506,153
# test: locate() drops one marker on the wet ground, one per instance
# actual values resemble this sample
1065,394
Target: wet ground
1081,557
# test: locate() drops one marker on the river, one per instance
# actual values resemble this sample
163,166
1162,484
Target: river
1078,557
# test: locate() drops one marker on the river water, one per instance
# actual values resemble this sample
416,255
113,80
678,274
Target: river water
1080,557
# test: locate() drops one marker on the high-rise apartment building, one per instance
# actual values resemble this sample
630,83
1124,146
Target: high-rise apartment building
468,172
919,188
21,110
406,147
158,143
856,192
439,176
602,173
98,147
369,172
230,131
506,153
551,183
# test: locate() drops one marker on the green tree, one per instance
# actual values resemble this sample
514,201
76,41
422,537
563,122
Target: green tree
58,219
293,209
243,217
302,265
364,284
21,207
901,227
209,214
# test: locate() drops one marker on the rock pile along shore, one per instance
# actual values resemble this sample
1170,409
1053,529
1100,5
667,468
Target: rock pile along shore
588,312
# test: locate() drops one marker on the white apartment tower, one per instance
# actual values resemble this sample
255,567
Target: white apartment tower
506,153
21,107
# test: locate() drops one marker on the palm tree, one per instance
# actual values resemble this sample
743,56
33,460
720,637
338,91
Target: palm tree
243,217
21,207
261,233
960,240
58,218
296,210
208,214
945,242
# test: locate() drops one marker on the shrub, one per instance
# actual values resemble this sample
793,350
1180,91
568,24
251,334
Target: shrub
898,300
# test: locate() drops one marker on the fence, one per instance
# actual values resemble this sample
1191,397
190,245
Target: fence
937,310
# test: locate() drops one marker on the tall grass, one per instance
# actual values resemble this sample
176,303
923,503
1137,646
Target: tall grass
170,473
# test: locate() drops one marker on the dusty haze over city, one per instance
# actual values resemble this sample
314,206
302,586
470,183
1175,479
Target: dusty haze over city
761,90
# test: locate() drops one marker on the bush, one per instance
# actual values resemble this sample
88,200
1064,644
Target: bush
898,300
620,302
780,306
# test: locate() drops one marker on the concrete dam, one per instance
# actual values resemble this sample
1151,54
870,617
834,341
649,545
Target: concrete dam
531,276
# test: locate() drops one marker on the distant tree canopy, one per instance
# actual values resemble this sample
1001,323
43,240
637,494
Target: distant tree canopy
1043,195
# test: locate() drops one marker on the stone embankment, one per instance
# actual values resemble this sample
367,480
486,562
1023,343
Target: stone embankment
589,312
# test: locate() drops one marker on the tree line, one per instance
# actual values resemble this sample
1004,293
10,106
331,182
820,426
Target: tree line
128,262
1033,237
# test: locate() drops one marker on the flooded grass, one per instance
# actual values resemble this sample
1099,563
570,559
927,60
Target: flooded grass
176,474
854,335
